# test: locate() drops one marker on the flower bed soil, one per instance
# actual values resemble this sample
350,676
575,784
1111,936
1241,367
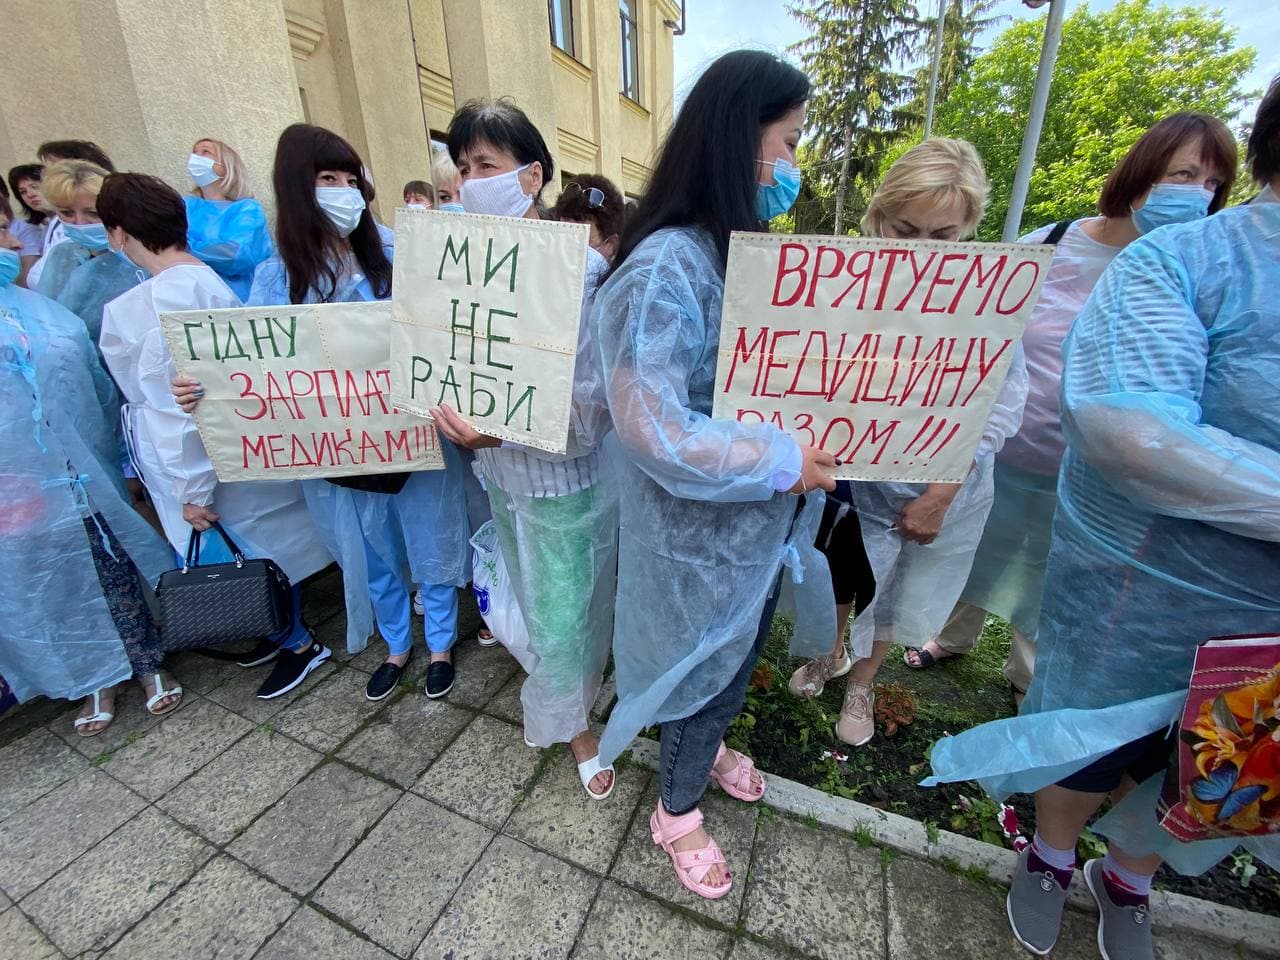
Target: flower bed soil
796,739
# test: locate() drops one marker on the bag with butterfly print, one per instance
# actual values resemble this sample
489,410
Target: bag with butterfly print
1227,780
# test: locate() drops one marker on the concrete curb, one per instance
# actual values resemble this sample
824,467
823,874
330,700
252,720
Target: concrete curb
1175,911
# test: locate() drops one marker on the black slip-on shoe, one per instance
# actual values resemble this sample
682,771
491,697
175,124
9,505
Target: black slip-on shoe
439,678
385,678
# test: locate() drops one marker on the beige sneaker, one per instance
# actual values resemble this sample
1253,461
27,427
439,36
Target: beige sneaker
809,681
857,723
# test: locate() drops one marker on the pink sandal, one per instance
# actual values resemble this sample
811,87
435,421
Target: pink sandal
737,782
691,865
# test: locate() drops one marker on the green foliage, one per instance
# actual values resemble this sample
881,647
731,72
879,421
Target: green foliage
963,21
1117,73
1090,846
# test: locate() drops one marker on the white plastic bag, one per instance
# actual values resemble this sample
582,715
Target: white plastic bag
497,598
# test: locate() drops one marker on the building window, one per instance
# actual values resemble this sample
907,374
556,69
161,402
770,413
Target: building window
630,50
560,13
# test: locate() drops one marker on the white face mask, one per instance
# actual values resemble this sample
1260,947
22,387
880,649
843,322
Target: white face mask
343,205
201,170
500,196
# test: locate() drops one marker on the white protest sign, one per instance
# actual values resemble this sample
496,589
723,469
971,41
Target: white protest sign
298,391
485,315
887,354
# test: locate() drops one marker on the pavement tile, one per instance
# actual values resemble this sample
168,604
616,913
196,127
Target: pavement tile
506,702
514,894
5,902
1185,946
401,741
330,712
560,818
198,673
239,692
392,886
225,912
731,823
20,940
44,837
298,841
175,748
750,950
623,925
90,903
481,672
817,891
312,936
483,773
34,765
224,797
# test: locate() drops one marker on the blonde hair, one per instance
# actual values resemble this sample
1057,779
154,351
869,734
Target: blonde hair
938,169
443,172
235,182
61,181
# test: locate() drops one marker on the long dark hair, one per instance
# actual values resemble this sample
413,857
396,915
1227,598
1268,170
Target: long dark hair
706,174
309,245
27,171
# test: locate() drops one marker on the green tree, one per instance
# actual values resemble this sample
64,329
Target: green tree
853,55
1118,72
962,23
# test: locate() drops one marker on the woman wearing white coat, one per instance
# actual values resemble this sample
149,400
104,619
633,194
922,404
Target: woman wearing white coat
146,224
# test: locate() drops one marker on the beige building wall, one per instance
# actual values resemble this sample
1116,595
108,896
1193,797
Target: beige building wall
146,78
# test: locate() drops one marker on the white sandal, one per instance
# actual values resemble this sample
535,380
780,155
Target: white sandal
588,770
99,716
160,694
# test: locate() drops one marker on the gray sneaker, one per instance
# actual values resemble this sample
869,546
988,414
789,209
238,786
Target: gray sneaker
1124,933
1035,907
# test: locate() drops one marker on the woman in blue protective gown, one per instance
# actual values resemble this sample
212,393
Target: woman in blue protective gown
707,515
330,251
1167,534
71,546
226,226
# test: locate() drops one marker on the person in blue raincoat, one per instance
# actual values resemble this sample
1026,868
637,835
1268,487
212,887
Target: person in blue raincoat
707,514
330,251
1167,534
71,546
81,273
226,226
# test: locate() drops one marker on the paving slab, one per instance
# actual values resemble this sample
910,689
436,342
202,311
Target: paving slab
224,912
21,940
330,712
200,674
5,902
513,892
310,935
505,704
560,818
34,765
175,748
224,797
731,823
395,883
402,741
1184,946
483,773
298,841
817,891
91,902
481,673
623,925
239,692
750,950
44,837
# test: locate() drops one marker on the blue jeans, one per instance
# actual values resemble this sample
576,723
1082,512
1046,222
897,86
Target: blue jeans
688,746
295,637
392,606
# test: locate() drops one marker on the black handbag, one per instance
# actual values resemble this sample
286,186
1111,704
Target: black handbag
221,603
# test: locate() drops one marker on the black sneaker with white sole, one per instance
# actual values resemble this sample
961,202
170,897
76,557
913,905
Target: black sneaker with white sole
291,669
264,651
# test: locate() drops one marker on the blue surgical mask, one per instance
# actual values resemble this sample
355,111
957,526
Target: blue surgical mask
775,199
91,236
10,267
451,208
1172,203
133,264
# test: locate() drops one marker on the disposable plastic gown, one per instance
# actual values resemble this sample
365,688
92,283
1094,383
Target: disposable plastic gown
704,531
59,462
85,284
917,585
557,521
423,527
1007,578
1169,510
266,518
231,236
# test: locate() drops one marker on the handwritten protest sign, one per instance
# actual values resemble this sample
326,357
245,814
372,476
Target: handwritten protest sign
298,391
485,315
887,354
